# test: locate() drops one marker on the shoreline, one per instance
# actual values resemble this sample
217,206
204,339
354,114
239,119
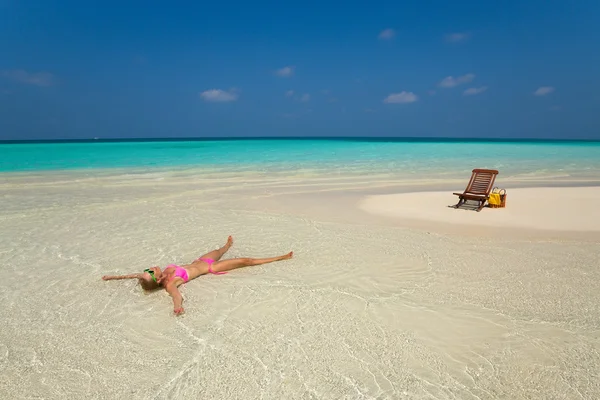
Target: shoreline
423,181
379,207
328,198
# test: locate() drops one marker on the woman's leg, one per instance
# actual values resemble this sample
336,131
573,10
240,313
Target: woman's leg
217,254
228,265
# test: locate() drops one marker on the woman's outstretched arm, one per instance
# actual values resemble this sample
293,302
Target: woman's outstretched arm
112,277
177,298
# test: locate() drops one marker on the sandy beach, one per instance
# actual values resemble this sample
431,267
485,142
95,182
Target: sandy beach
390,295
571,209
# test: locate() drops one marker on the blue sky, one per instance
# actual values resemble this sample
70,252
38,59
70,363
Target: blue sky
75,69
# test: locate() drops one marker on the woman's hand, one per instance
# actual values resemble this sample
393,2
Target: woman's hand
177,299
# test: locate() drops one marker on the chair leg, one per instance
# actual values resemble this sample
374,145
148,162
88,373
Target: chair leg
481,204
461,201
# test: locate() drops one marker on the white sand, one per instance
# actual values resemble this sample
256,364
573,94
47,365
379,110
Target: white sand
544,208
365,310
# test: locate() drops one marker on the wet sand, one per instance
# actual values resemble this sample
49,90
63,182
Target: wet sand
370,307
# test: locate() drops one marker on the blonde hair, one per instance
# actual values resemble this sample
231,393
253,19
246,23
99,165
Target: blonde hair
148,284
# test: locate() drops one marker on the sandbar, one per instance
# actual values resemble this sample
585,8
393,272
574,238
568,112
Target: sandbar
542,208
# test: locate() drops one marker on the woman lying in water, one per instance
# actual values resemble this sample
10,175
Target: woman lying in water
174,275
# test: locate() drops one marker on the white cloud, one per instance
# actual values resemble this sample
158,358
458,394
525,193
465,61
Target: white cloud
297,97
473,91
30,78
285,71
457,37
402,97
451,81
544,90
219,96
387,34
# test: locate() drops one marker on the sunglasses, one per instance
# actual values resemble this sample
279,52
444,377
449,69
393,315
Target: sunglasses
148,270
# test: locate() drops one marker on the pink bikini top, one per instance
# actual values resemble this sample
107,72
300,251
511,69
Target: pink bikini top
180,272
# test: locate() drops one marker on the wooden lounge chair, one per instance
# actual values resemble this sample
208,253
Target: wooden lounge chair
479,187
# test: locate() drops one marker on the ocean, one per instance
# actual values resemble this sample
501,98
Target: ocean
405,156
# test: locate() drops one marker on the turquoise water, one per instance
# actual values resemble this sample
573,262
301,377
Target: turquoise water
330,155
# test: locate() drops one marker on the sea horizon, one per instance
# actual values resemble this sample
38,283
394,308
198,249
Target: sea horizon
432,139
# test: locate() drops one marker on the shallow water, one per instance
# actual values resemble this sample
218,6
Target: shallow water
409,158
362,311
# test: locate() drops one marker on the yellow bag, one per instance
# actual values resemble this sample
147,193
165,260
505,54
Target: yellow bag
494,199
497,198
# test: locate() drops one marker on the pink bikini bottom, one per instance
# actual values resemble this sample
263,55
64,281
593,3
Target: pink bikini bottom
210,262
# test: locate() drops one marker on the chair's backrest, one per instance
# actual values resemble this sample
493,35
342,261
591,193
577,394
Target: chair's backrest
481,181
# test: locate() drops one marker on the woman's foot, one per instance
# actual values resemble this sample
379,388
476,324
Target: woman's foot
288,256
217,254
228,244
